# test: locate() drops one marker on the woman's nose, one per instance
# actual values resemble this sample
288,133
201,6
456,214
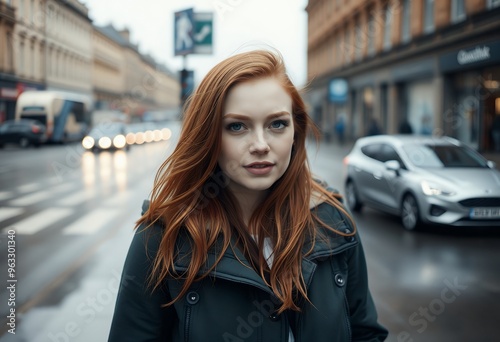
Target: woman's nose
259,144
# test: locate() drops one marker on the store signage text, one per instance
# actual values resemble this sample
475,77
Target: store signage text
476,55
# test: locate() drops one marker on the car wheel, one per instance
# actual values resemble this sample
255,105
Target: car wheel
352,196
410,215
24,142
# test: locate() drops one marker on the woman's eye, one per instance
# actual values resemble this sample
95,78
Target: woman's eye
235,126
279,124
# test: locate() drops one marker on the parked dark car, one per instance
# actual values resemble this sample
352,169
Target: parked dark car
424,180
22,132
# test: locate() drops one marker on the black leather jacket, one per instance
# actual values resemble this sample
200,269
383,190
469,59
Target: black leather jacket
234,304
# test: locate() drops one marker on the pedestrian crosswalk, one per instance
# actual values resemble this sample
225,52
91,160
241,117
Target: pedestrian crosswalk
42,220
92,222
60,205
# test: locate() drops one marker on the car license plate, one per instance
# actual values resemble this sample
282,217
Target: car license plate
480,213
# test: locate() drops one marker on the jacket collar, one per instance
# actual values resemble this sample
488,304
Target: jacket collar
233,265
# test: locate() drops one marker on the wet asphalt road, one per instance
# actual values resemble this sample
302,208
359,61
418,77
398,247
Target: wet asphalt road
73,215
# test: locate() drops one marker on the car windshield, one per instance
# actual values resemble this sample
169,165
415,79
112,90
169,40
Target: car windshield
107,129
443,156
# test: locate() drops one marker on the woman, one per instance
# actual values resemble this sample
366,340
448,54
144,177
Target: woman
238,242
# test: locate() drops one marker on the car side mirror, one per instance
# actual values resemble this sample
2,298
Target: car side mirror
393,165
491,164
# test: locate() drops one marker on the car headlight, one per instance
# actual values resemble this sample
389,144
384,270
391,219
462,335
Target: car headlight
432,189
105,143
119,141
88,142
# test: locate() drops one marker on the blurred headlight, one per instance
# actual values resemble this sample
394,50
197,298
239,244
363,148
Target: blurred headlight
432,189
130,138
148,136
166,133
119,141
156,135
105,143
139,138
88,142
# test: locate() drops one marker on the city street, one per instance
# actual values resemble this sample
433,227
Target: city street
71,215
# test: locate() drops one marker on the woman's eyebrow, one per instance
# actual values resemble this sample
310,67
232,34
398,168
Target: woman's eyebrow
245,117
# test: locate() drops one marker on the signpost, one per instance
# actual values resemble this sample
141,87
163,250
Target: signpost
193,34
203,34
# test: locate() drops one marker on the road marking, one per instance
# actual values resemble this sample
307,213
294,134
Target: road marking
77,198
28,187
93,222
7,213
42,220
118,199
33,198
41,196
4,195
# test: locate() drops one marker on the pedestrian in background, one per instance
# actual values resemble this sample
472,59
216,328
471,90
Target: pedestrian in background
238,242
495,132
374,127
340,129
405,127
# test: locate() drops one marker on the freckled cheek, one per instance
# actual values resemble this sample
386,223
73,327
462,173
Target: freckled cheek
233,152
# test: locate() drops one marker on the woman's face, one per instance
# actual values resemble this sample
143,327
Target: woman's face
257,135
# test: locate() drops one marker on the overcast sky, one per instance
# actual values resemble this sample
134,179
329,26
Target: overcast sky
239,25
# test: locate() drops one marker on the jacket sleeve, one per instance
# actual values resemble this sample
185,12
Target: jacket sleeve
139,315
363,314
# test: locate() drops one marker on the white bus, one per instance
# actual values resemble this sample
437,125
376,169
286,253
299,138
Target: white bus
66,115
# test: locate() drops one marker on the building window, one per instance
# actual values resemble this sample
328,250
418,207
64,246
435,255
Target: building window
347,46
338,51
32,11
493,3
359,41
10,52
406,22
32,60
457,10
21,58
387,27
371,33
428,16
21,9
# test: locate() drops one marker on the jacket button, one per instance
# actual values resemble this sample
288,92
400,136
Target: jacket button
274,317
192,298
339,280
348,238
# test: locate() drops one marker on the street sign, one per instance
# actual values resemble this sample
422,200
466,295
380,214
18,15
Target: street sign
183,32
203,33
337,91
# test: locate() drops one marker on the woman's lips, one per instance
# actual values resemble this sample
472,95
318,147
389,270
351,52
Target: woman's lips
259,169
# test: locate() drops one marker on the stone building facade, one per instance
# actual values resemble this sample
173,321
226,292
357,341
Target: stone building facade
432,63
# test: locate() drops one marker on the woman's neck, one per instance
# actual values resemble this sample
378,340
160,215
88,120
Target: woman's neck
248,201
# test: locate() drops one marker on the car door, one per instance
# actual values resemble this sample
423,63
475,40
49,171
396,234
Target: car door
387,182
368,169
9,134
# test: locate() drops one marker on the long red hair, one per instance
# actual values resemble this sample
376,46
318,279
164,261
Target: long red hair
190,193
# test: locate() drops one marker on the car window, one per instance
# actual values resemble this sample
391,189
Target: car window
388,152
372,151
441,156
4,127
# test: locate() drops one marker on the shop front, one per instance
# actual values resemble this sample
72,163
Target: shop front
9,91
8,95
472,97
